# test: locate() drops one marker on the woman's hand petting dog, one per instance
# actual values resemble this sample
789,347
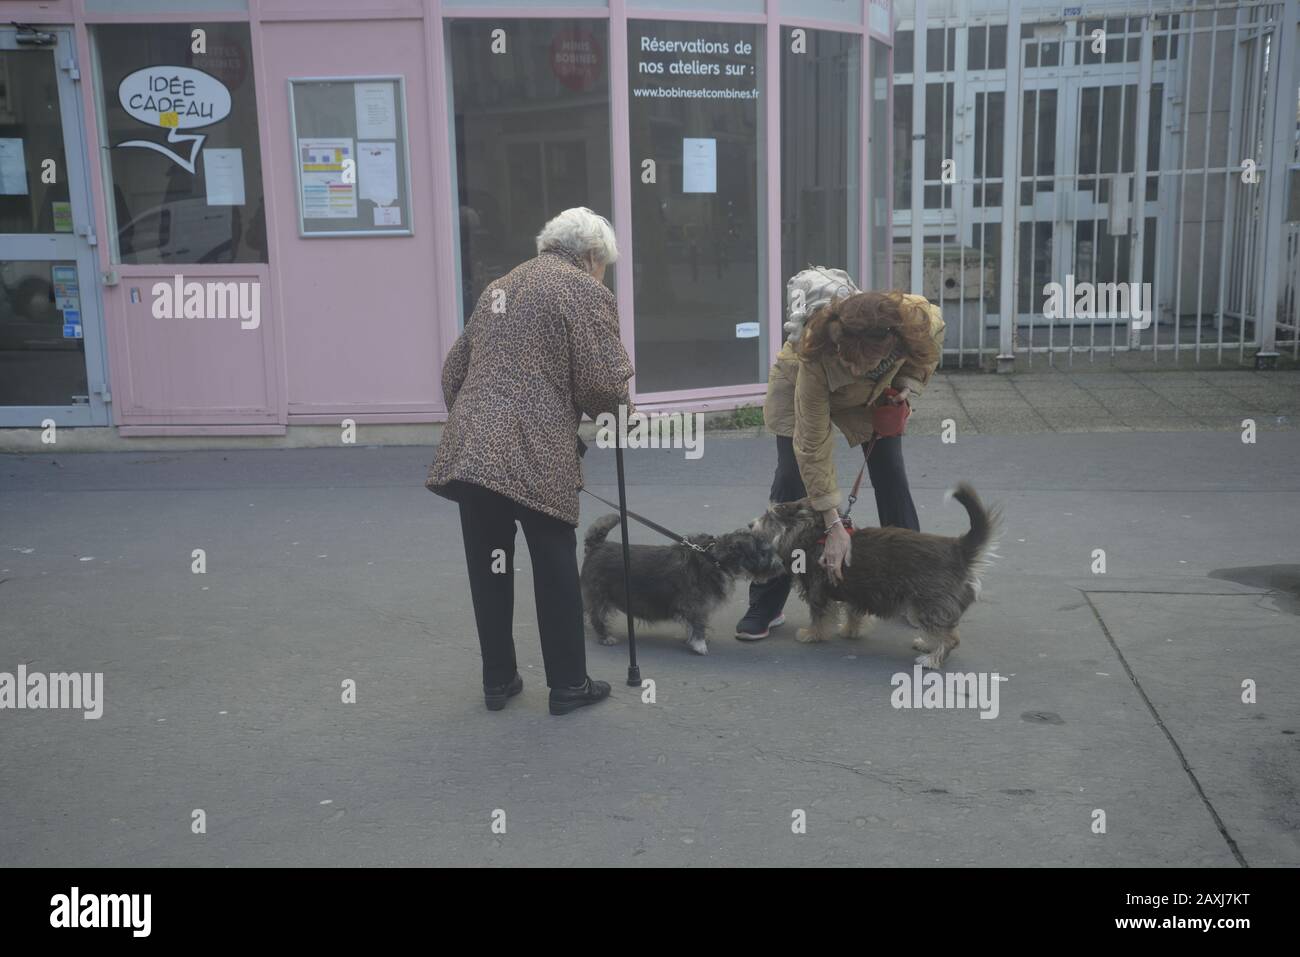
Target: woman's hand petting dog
835,556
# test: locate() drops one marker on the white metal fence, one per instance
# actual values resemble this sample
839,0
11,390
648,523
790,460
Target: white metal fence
1142,146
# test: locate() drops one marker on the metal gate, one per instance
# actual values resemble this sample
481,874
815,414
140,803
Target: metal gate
1144,212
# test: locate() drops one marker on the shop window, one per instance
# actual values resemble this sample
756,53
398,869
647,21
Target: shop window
532,136
1038,144
31,132
902,145
821,94
721,6
697,218
904,51
990,119
940,50
541,4
987,48
840,11
178,113
940,107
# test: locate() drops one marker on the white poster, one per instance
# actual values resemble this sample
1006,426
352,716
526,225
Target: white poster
699,165
377,172
13,167
325,194
376,111
223,172
388,215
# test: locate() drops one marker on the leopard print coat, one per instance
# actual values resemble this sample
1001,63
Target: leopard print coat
541,348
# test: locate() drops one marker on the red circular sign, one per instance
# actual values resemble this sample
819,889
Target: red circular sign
224,60
576,59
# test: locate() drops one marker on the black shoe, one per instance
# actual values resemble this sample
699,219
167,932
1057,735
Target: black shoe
766,599
755,626
564,700
495,698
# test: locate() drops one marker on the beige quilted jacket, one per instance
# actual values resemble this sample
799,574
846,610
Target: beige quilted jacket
805,397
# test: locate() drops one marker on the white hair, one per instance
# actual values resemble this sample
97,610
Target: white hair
579,232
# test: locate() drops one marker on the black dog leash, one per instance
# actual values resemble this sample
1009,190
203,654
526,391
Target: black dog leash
666,532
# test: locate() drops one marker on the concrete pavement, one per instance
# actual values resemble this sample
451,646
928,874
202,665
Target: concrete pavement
223,690
1084,397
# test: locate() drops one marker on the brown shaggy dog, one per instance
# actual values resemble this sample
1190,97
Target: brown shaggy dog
892,573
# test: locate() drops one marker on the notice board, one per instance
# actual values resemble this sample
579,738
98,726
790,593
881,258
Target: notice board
351,162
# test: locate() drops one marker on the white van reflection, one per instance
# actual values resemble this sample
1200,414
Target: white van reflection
182,231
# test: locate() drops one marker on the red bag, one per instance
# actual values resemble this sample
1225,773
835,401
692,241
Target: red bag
889,420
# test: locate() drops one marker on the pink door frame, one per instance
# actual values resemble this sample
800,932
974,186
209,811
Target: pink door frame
122,374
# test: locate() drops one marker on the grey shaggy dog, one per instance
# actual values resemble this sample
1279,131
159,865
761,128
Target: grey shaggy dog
670,582
892,573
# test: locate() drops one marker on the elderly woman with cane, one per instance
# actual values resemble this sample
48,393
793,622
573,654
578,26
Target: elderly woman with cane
857,351
541,348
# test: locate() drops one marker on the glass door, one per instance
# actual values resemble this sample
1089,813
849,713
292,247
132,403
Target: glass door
51,364
1083,213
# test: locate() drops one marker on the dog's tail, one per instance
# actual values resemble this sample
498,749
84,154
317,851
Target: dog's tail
983,523
598,530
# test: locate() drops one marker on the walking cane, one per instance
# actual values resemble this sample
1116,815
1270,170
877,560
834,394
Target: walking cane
633,672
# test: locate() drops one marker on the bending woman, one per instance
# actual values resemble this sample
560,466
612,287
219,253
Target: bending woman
851,351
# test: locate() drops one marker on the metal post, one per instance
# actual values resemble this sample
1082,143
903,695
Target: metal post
1137,250
1279,148
1231,185
920,26
1010,190
633,672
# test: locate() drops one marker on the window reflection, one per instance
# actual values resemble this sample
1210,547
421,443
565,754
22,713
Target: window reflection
178,201
695,112
31,131
821,89
44,360
532,136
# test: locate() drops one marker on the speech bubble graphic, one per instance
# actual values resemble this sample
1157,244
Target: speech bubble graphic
174,98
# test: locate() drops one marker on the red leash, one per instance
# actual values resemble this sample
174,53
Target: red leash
857,483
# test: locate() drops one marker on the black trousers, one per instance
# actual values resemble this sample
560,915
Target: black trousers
487,522
894,505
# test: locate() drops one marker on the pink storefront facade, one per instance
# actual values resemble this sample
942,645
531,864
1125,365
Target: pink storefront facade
347,176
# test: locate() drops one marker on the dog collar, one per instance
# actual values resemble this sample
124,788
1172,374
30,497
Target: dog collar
702,549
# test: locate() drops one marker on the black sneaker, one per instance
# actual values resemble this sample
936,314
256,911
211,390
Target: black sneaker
753,627
495,698
564,700
766,599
